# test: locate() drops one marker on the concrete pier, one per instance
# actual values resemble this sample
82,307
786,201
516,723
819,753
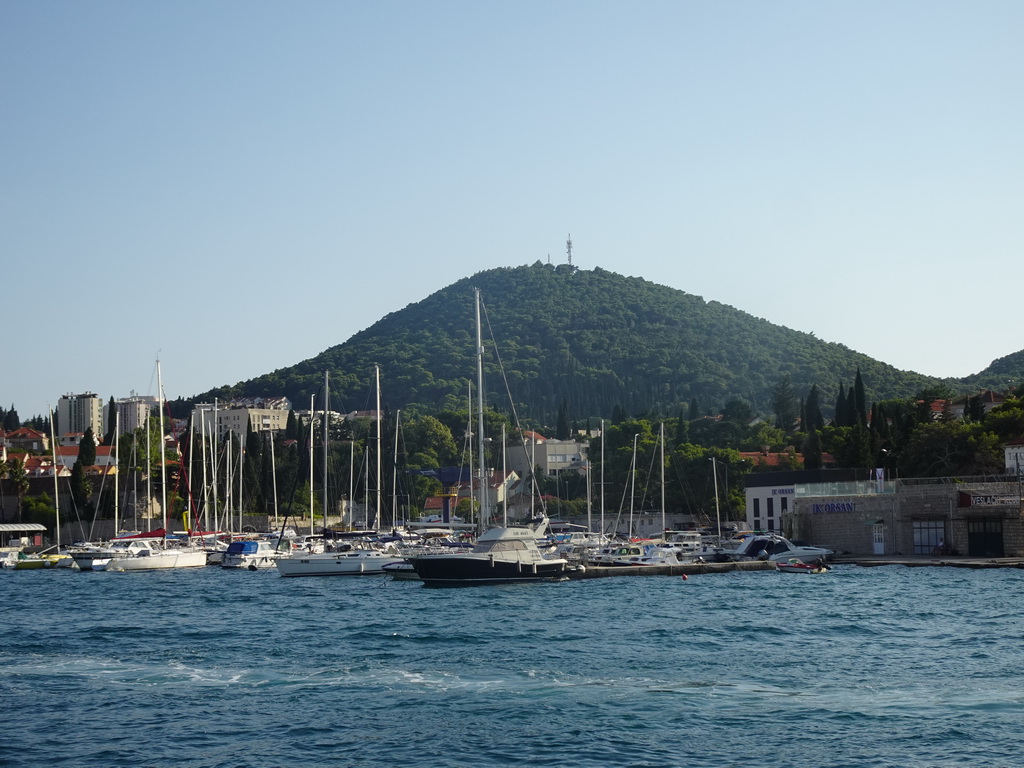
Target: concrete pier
921,561
685,569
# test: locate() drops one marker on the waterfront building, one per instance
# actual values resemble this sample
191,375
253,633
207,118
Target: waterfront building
976,517
769,495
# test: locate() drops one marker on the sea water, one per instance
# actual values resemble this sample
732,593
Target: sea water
887,666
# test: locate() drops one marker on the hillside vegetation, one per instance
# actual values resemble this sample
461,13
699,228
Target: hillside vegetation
592,341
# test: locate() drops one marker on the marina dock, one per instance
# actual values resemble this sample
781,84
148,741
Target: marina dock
684,569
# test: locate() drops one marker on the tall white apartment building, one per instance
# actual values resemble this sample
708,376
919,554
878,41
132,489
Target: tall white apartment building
132,413
77,413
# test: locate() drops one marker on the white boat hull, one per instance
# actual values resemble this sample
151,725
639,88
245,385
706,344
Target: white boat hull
336,564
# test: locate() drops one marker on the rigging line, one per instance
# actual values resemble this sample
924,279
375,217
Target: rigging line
648,480
534,487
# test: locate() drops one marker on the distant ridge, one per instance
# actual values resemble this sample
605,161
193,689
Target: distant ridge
594,340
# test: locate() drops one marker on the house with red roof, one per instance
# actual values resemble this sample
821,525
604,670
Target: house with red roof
27,439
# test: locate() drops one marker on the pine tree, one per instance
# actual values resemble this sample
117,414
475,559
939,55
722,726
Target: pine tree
785,404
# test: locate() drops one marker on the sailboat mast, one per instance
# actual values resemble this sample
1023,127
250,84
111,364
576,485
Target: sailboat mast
377,520
163,448
484,500
273,473
56,485
504,481
632,486
394,472
312,411
714,479
663,479
117,464
327,402
602,478
215,459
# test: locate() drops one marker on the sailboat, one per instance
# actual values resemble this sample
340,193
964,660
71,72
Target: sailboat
351,558
159,555
506,553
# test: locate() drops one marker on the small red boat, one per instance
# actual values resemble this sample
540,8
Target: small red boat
794,565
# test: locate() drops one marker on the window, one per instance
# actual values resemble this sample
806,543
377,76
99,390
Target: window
927,535
771,509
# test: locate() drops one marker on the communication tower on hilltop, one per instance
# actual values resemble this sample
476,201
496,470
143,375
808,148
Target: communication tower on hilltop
568,248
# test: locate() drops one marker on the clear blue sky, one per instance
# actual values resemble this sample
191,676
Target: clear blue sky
237,185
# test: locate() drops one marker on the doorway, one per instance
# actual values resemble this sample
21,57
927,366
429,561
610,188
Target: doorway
985,538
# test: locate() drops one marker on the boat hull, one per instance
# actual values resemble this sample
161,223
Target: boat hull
334,564
161,560
466,569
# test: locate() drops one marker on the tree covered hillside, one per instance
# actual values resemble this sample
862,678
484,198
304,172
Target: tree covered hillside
592,340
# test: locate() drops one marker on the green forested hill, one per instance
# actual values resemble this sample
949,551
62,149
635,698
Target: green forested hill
595,340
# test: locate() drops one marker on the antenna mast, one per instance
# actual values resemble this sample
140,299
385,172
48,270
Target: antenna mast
568,248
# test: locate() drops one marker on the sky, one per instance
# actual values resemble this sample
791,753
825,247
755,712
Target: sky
233,186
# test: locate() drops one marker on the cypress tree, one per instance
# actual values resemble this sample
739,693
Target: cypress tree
562,428
87,449
108,438
81,488
839,419
812,450
813,407
11,421
694,410
860,411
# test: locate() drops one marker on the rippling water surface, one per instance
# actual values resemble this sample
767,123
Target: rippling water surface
859,667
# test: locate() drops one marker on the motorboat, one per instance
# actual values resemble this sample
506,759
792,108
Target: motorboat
634,553
253,554
401,571
501,554
687,545
775,548
795,565
349,559
34,562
